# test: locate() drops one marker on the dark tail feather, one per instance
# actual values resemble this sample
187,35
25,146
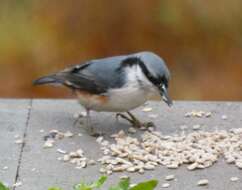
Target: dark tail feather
47,80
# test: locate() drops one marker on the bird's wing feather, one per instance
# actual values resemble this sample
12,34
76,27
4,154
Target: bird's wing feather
96,76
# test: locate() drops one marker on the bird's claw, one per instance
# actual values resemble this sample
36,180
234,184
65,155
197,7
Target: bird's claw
134,121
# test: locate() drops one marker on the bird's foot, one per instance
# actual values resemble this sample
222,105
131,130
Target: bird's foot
134,121
92,132
85,122
78,118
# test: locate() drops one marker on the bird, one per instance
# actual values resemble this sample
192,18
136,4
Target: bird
115,84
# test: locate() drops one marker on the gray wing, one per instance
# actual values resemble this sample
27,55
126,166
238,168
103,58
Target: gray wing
95,76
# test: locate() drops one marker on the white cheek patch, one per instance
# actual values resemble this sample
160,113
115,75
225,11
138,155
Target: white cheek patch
137,79
135,74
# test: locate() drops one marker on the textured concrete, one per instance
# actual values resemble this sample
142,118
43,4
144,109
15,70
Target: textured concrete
13,117
40,169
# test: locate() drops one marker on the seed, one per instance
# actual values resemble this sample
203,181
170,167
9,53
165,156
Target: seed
183,127
192,166
49,143
234,179
83,164
230,160
124,177
147,109
132,185
61,151
153,116
73,161
165,185
68,134
141,171
73,154
132,130
109,167
208,114
19,141
102,170
170,177
202,182
131,169
151,129
143,128
91,162
198,114
79,152
172,166
59,136
99,139
76,115
59,159
17,184
104,143
66,158
239,164
188,114
120,168
41,130
196,127
148,166
224,117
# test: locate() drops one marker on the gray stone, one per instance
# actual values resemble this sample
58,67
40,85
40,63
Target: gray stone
40,168
13,117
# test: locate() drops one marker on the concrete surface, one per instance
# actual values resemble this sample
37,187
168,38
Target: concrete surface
38,168
13,117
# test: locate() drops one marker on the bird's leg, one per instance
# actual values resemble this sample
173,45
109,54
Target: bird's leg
134,121
90,129
88,125
77,119
124,117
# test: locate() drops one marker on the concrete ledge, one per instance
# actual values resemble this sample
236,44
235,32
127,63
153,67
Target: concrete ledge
38,168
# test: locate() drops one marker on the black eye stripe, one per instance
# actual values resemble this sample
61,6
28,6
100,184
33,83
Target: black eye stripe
155,81
130,61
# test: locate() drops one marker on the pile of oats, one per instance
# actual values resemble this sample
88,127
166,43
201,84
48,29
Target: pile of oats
198,150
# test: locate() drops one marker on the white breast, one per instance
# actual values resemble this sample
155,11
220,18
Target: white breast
135,93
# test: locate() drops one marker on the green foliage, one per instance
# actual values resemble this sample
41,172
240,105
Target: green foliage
86,186
124,184
3,187
148,185
54,188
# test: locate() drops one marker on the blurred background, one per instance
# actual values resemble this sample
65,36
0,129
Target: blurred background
201,41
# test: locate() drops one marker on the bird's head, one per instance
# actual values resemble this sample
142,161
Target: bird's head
157,73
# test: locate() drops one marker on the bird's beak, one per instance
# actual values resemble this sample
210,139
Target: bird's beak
165,96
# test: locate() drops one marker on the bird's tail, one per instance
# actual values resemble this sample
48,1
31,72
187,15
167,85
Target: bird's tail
51,79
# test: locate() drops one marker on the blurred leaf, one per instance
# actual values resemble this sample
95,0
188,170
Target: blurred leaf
3,187
123,185
97,184
149,185
54,188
